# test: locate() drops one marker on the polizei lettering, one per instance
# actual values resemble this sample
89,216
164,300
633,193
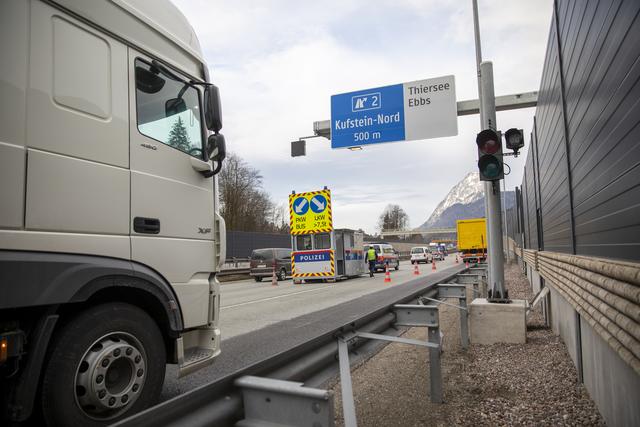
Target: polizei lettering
365,121
312,257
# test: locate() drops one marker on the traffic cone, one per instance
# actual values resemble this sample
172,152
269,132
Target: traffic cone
466,263
416,271
433,265
274,279
456,258
387,275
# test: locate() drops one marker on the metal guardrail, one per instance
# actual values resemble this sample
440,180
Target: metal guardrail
232,266
220,403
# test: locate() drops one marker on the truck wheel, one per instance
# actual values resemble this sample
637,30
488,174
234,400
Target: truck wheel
282,275
257,278
105,364
397,267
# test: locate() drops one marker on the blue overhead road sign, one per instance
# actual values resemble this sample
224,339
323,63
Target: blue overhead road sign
416,110
368,116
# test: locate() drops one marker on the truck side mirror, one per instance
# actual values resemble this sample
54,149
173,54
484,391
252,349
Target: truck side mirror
212,108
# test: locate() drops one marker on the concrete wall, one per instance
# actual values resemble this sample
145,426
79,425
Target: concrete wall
612,384
534,279
564,323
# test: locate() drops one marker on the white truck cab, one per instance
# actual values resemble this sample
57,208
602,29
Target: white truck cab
110,236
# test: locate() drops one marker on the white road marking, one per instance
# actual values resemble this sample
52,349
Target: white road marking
276,297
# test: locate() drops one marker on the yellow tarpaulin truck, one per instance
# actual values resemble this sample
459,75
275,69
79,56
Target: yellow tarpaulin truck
472,239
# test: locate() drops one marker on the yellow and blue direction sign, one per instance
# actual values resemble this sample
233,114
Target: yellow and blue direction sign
310,212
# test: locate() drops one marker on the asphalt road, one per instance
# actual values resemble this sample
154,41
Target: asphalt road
258,319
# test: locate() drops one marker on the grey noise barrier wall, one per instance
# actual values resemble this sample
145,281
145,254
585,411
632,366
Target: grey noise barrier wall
241,243
576,224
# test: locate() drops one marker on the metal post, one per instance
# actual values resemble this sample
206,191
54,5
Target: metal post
464,323
494,211
348,405
476,33
435,371
506,226
491,189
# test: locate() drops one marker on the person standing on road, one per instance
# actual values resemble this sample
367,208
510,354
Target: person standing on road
371,259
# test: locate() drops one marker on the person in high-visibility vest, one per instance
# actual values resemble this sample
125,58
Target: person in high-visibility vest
371,258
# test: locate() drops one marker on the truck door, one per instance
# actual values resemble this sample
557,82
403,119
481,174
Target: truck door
171,202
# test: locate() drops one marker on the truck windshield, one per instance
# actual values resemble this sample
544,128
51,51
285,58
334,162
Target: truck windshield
168,110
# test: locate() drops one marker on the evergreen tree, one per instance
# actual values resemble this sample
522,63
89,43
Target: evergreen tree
178,136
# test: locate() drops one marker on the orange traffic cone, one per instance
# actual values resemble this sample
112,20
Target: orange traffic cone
433,265
274,279
416,271
456,258
387,275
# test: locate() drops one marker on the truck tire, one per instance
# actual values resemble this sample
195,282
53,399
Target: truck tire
282,275
105,364
257,278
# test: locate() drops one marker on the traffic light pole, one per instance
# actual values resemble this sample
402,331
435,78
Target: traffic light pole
492,192
492,205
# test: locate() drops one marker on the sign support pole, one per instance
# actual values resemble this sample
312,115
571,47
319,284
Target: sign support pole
491,188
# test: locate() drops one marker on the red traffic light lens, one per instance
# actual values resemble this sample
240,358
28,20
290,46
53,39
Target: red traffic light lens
488,142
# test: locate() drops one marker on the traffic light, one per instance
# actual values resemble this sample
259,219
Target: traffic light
514,140
490,155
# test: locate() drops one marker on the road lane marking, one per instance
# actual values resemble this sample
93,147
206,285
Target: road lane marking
277,297
405,280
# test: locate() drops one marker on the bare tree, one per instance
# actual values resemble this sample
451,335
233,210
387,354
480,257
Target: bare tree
245,205
393,218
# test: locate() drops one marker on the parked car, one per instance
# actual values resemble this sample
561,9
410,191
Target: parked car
421,254
261,263
385,255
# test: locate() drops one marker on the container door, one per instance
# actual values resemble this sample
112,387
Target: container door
339,253
171,202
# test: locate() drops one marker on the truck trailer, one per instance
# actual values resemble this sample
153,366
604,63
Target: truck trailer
110,236
472,239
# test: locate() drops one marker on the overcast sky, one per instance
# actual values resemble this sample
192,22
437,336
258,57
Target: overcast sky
278,62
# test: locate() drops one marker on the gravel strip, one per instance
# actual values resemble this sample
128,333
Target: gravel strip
537,383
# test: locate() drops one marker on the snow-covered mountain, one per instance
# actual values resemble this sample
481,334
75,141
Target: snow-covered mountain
465,200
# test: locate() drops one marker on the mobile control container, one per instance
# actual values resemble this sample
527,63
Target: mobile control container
327,256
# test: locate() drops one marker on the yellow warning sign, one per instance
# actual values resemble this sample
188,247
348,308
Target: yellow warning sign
310,212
